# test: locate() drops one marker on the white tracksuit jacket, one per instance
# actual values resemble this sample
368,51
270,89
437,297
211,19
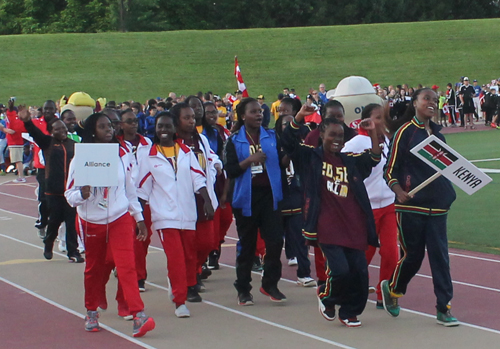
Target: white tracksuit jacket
379,193
170,194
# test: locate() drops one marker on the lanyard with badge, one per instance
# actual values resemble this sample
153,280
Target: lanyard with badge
255,168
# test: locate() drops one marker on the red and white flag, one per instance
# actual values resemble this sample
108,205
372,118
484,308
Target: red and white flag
239,79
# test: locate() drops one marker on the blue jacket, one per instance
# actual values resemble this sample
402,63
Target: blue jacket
238,149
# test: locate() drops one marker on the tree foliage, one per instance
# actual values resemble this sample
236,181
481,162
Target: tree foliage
89,16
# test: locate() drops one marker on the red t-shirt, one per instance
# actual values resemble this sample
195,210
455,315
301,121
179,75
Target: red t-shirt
258,179
341,221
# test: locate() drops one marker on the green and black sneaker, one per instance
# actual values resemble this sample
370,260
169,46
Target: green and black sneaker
389,299
446,319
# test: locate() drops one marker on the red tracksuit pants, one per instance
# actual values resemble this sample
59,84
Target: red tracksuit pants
204,241
222,221
117,239
180,249
387,231
141,247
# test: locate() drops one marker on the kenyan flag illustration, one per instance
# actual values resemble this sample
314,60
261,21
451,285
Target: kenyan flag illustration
438,155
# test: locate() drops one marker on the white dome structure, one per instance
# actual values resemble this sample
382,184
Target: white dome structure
355,92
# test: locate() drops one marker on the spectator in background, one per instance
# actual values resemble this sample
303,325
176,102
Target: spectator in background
466,97
13,130
161,106
477,105
293,94
124,105
286,91
266,112
322,93
150,122
111,104
222,113
276,105
137,109
451,102
3,141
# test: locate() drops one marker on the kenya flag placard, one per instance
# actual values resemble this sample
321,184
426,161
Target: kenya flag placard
438,155
449,163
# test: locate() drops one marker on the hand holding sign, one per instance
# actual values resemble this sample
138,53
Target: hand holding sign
447,162
85,191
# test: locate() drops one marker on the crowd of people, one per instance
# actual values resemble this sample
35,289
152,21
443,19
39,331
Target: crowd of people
189,164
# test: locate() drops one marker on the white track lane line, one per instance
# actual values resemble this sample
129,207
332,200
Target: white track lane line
321,339
71,311
450,253
18,197
291,281
370,301
267,322
484,160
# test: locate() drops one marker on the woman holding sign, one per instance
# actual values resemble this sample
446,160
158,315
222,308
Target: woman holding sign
106,224
421,217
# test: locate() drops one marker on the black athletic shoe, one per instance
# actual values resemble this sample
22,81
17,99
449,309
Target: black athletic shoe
47,251
142,285
213,260
245,298
192,295
274,294
76,258
200,286
205,272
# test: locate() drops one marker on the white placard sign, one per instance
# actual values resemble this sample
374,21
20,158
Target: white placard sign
96,164
441,157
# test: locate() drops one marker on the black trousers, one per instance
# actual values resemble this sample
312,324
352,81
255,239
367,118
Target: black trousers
416,232
43,206
269,222
61,211
297,244
347,282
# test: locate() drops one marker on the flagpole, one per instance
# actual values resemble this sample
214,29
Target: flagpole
424,183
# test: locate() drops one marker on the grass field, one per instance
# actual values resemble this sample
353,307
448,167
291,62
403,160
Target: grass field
472,221
122,66
143,65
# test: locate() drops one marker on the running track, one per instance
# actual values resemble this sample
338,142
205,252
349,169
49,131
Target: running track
477,291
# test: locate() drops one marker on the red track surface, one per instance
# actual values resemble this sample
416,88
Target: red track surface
29,322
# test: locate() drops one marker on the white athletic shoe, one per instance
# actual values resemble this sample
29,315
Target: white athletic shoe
292,261
62,246
182,311
306,282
